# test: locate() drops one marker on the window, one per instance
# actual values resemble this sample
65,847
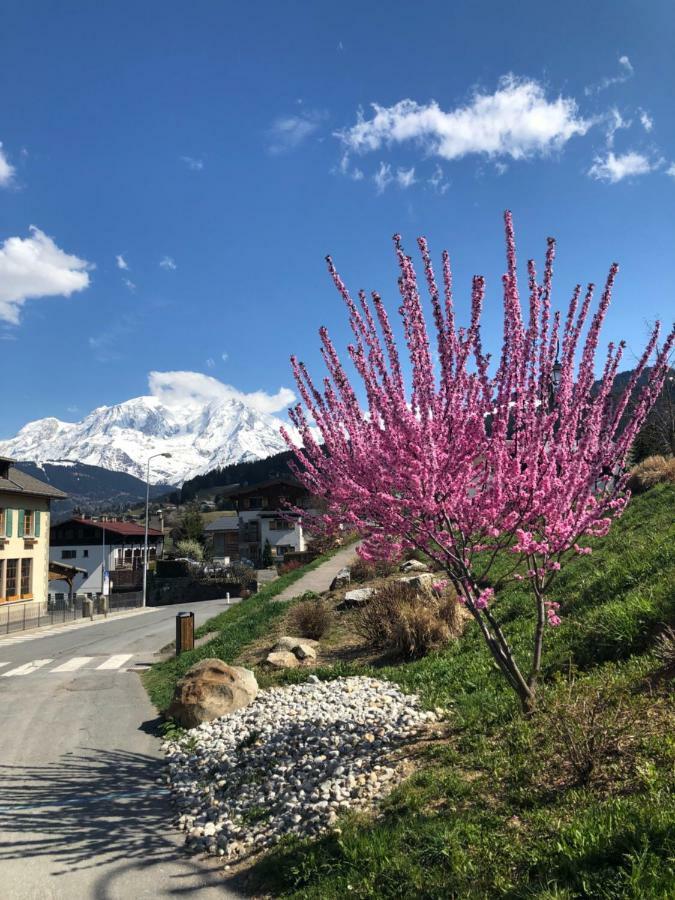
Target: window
68,554
255,503
85,553
28,522
26,579
12,574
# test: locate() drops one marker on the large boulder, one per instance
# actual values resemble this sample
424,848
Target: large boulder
423,581
357,598
211,689
283,659
341,580
413,565
290,643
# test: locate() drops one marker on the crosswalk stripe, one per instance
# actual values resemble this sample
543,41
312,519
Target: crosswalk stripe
114,662
27,668
72,664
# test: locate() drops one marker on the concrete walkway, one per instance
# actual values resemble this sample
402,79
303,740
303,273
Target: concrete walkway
320,578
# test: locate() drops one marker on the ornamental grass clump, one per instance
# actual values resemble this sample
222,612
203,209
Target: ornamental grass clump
470,460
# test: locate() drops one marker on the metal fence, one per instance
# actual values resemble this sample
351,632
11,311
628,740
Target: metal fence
27,614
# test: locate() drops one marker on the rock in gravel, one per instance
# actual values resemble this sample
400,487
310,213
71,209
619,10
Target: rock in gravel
210,689
414,565
357,598
290,763
341,580
283,659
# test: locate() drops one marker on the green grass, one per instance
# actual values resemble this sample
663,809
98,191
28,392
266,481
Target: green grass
496,810
237,626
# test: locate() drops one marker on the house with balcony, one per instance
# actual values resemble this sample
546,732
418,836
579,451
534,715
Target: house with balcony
100,546
261,514
24,534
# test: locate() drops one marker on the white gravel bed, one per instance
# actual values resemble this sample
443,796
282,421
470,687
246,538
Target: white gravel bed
289,762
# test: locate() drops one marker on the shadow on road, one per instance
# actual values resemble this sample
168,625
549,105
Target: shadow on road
94,809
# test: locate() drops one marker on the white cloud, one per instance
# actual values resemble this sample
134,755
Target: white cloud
626,72
437,181
194,165
383,177
35,267
288,132
671,170
500,168
615,168
224,356
121,262
168,263
405,177
516,121
646,120
210,363
130,284
7,171
181,388
615,123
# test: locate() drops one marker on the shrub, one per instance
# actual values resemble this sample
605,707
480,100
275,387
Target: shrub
191,549
311,618
651,471
407,623
363,570
590,730
289,566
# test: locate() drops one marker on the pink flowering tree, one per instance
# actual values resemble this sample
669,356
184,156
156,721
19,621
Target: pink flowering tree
470,460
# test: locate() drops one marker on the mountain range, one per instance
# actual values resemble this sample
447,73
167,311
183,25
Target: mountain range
199,434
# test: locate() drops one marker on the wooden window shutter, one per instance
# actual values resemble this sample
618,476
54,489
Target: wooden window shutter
22,516
36,527
8,523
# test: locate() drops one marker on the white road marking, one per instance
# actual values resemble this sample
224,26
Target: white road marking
4,664
27,668
72,664
115,661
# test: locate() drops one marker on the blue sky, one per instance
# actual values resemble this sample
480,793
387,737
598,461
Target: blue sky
186,166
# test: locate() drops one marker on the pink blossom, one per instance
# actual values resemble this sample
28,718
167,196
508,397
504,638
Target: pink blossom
472,453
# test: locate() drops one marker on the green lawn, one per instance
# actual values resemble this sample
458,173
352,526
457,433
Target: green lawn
497,809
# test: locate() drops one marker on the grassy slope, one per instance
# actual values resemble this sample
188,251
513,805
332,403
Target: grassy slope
494,811
238,626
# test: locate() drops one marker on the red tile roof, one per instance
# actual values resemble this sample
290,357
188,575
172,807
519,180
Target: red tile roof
130,528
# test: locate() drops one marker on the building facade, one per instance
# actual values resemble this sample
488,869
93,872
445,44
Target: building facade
262,515
100,546
24,534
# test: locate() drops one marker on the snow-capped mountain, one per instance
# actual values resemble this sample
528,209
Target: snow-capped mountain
200,431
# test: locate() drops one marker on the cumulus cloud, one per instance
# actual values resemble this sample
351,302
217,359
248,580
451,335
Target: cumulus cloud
35,267
288,132
121,262
626,71
516,121
614,168
168,263
181,388
7,171
193,164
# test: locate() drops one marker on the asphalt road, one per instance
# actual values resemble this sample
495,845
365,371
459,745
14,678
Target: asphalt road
81,813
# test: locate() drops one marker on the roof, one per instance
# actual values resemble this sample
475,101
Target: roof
238,490
58,571
17,482
224,523
123,528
